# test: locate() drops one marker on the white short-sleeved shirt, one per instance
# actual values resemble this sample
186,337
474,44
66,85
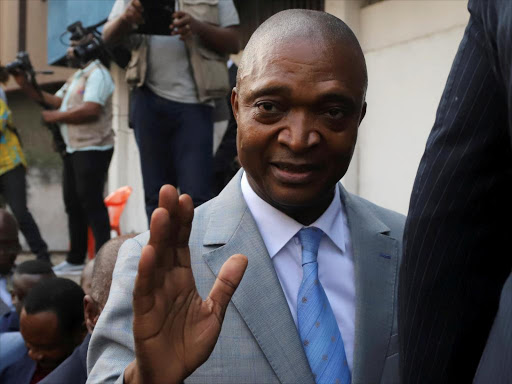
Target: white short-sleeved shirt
98,88
169,74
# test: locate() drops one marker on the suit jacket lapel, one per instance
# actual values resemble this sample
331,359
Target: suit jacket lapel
376,267
259,299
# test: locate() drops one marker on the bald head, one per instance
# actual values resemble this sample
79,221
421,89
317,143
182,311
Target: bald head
103,268
319,28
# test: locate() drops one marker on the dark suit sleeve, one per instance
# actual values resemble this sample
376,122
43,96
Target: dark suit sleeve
456,255
224,164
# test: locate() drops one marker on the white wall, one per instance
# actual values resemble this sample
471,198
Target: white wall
125,165
409,47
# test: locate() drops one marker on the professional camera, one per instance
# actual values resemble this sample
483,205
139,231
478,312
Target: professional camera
92,46
22,63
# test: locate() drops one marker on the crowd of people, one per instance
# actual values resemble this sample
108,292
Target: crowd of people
284,276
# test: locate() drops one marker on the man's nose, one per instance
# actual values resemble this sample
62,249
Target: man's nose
300,133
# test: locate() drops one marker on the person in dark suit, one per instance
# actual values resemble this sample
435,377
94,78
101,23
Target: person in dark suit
74,368
25,276
52,325
456,256
225,163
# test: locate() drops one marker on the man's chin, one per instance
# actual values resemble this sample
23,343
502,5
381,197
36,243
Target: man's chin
296,202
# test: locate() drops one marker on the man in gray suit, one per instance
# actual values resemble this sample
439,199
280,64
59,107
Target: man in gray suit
299,100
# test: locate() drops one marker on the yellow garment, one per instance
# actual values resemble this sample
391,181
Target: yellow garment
11,154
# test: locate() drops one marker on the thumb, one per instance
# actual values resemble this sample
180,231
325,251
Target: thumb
227,282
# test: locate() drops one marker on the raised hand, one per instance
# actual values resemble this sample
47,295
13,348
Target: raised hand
133,13
175,331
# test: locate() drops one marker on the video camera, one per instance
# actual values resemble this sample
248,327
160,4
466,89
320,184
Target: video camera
93,47
21,63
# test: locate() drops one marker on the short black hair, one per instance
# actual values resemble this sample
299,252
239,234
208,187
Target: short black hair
60,296
34,267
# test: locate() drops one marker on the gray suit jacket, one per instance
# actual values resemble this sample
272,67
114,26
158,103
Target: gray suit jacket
259,342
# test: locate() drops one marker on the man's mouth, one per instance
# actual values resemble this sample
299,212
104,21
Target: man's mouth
294,173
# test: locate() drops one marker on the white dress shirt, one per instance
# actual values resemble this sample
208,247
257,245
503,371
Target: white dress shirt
335,260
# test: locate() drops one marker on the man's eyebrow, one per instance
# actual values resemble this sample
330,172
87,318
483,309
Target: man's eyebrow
269,91
336,97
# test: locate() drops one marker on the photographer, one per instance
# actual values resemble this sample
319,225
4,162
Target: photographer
176,76
83,110
13,185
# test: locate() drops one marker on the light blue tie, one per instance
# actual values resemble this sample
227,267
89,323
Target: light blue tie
318,329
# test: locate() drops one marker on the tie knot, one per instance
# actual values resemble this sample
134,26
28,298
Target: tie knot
310,239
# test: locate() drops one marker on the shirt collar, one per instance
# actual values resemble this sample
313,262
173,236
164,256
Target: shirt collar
89,67
277,229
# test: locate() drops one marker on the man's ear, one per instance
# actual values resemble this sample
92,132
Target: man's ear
91,312
234,103
363,113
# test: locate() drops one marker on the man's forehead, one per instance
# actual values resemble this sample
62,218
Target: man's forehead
280,67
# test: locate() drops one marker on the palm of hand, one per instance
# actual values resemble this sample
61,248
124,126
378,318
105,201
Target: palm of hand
175,331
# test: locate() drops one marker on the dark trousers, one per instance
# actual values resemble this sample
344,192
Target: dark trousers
14,189
175,142
456,240
83,181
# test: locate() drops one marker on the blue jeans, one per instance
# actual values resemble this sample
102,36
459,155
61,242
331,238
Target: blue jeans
175,142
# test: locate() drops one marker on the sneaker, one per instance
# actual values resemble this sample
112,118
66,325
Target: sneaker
66,268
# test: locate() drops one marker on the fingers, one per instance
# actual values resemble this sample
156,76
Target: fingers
227,282
182,24
185,217
143,299
183,32
179,15
168,201
161,225
133,13
181,21
168,198
170,228
137,5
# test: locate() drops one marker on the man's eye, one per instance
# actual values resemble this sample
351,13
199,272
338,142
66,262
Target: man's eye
335,113
267,107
